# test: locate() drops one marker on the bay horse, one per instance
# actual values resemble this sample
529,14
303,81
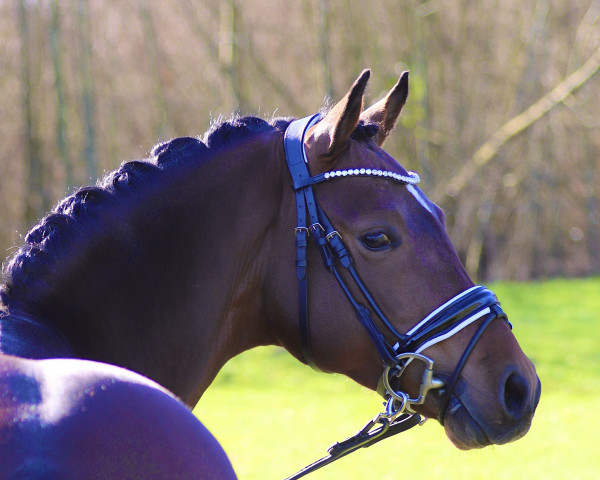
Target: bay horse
126,300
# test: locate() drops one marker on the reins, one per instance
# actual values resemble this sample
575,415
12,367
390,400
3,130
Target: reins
468,306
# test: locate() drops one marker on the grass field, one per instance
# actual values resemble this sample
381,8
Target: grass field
274,415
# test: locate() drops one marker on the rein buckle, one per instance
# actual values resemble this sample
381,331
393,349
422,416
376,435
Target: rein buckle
428,382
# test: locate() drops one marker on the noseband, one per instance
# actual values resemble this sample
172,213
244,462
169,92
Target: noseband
475,303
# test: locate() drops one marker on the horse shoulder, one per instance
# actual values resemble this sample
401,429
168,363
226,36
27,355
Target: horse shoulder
67,419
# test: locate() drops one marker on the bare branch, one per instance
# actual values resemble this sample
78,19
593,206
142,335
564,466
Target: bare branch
517,124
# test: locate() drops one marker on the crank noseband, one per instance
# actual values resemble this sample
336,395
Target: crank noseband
475,303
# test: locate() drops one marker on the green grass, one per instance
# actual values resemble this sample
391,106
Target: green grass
273,415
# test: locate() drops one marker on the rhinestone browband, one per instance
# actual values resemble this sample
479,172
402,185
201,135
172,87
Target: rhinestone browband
411,179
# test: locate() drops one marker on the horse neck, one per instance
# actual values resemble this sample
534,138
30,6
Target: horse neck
183,295
25,336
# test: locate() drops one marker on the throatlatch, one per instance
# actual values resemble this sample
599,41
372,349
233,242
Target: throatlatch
457,313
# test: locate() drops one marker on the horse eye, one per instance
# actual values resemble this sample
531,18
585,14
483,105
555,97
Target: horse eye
376,241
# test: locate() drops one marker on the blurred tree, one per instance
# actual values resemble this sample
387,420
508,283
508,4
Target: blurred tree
87,89
152,47
502,120
229,51
36,200
323,21
60,96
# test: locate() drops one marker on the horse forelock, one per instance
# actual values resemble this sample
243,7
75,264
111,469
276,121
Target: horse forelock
365,131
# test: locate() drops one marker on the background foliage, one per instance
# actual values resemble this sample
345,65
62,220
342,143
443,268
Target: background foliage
86,84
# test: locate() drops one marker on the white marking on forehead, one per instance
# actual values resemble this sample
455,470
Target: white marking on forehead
420,198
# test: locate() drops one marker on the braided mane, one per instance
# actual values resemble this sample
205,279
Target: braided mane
68,226
71,223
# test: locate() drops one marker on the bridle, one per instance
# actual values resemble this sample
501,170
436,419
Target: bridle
475,303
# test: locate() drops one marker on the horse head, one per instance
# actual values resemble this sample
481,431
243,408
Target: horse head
484,388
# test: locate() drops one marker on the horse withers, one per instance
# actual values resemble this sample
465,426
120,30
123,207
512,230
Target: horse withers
126,300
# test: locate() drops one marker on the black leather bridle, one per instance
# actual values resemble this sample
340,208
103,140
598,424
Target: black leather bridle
475,303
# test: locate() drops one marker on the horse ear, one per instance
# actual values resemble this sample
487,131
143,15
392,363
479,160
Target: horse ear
328,137
385,112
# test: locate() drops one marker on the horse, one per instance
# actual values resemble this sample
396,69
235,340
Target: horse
124,302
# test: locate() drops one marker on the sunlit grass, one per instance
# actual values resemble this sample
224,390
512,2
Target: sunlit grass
274,416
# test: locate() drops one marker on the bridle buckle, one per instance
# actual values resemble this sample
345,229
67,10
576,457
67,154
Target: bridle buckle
332,234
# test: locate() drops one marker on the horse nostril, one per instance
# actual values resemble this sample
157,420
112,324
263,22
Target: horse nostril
515,395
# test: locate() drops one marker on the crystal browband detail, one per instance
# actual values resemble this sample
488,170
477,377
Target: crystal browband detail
411,178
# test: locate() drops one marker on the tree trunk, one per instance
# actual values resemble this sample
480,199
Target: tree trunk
324,9
155,62
229,51
36,200
61,125
87,91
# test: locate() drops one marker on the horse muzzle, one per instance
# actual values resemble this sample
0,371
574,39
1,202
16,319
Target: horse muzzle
477,422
